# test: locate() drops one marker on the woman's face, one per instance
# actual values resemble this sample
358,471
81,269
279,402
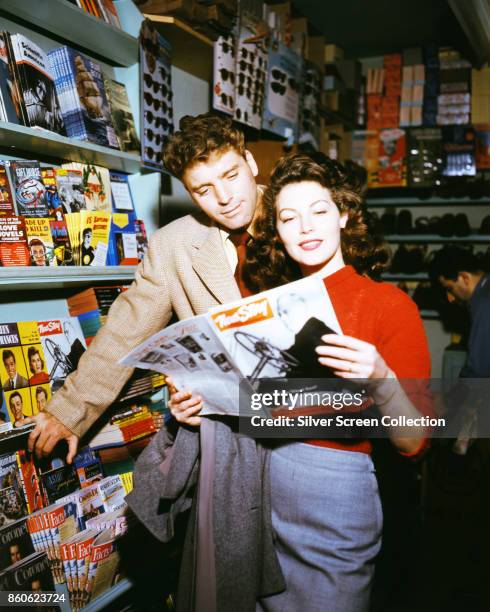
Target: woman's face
36,363
309,223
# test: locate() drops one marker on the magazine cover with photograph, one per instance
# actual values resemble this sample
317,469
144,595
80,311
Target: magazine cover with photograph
270,335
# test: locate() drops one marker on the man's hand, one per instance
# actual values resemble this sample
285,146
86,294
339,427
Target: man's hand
47,433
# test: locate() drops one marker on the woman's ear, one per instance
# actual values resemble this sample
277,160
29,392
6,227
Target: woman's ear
249,158
344,217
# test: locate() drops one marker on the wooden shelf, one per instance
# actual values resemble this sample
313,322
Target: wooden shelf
80,29
18,278
394,276
373,202
16,139
191,50
433,239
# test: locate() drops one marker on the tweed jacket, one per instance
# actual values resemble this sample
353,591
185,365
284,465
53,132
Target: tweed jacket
184,273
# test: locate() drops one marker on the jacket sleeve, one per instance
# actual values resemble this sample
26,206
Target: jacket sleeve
139,312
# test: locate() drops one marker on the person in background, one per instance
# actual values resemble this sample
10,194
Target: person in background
460,274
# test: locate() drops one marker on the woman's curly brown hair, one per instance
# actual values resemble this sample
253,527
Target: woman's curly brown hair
268,264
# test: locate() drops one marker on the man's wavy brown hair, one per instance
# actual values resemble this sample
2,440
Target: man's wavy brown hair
197,139
268,264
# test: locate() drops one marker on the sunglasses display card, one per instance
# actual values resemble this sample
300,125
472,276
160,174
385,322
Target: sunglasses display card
309,123
281,109
155,96
224,74
251,72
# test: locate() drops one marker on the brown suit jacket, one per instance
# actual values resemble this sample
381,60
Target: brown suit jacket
185,272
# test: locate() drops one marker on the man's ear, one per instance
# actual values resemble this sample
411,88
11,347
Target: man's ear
465,277
249,158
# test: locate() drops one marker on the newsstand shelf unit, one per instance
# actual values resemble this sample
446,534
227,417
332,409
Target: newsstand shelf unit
17,139
386,202
76,27
434,239
191,50
108,597
397,276
23,278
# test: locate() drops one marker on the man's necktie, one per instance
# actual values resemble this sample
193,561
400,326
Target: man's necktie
240,241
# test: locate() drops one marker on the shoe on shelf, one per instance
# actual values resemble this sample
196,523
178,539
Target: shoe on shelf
404,222
447,225
434,224
400,260
461,225
422,225
485,226
388,223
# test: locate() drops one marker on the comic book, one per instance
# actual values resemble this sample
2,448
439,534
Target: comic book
51,193
13,242
94,237
61,243
12,500
73,223
29,188
40,242
96,185
122,117
36,84
70,190
6,199
270,335
30,481
81,92
15,543
9,96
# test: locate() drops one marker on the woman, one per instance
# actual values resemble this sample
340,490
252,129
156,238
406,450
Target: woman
36,366
326,510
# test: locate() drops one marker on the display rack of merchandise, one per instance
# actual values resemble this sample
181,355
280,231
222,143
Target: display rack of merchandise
17,278
191,50
67,21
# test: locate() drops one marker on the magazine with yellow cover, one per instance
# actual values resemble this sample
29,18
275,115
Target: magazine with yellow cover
40,242
95,230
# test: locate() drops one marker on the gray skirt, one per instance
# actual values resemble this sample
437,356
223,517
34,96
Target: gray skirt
327,519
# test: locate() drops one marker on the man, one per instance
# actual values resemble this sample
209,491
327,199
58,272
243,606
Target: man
460,273
41,398
189,268
37,252
15,554
15,380
88,253
16,404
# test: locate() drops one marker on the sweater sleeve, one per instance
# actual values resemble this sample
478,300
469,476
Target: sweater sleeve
403,345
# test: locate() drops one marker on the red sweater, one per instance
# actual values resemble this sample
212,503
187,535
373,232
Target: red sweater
386,317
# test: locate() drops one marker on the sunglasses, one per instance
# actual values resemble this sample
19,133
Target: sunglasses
158,121
278,75
239,114
244,92
293,84
226,74
150,134
227,100
278,88
150,100
247,54
164,73
151,84
228,48
246,66
150,153
150,47
243,77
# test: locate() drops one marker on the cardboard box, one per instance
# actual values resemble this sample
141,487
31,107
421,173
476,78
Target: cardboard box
266,153
412,56
332,53
299,35
315,50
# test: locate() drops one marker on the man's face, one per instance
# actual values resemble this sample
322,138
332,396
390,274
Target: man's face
41,400
87,239
36,586
224,188
16,407
9,364
14,554
458,290
38,254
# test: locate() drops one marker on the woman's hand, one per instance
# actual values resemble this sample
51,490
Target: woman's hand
352,358
183,405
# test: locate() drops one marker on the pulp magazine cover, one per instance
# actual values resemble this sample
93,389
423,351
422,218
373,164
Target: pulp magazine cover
9,98
40,242
36,84
270,335
13,242
6,199
29,188
96,185
70,190
12,499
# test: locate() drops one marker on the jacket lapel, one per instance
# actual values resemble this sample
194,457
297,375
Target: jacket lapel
212,267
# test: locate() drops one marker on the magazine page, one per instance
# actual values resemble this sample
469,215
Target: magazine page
191,353
274,333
